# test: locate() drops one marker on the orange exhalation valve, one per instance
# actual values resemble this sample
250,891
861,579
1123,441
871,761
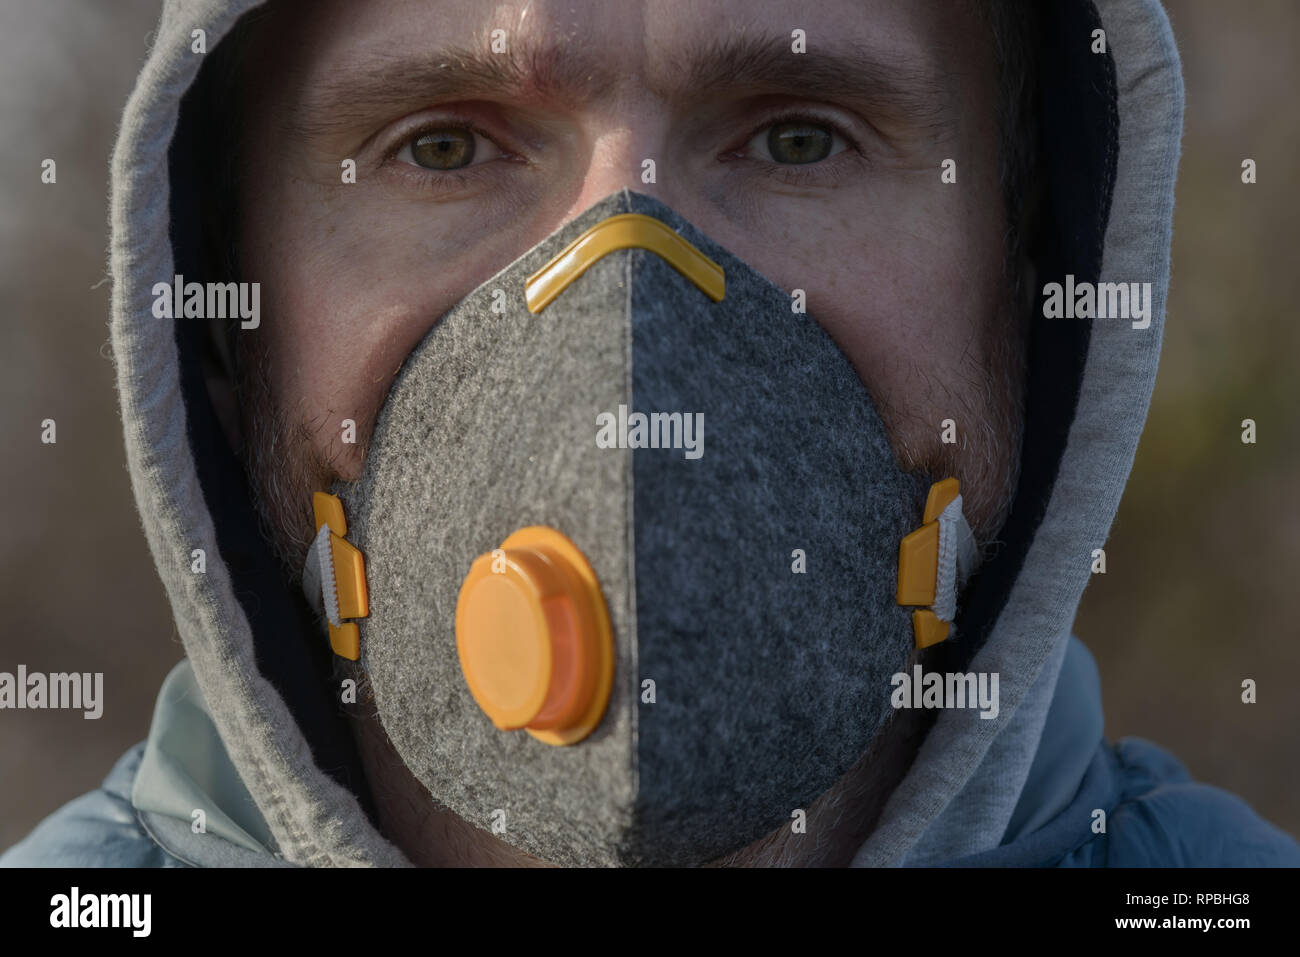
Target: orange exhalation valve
534,639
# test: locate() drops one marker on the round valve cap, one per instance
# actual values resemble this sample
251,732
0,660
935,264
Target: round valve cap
533,636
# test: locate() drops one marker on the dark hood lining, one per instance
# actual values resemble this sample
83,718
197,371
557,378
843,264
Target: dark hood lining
1078,122
290,646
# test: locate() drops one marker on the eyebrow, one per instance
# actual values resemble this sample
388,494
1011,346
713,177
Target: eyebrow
897,85
901,84
392,81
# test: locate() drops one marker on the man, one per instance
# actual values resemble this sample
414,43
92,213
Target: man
639,346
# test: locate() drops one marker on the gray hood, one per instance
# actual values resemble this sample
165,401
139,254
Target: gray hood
1112,125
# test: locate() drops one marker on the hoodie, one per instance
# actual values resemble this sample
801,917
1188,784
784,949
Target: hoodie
248,761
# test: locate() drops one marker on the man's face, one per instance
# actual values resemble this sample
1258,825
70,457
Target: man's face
821,169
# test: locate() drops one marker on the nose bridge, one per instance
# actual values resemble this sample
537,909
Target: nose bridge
627,141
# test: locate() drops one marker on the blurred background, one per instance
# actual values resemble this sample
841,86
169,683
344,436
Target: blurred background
1201,565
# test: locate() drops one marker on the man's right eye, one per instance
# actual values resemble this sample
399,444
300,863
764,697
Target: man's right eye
448,148
797,142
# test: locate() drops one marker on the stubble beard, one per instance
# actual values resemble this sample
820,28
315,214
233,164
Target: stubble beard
283,462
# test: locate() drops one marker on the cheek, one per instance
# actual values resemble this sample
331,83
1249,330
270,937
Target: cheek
904,281
349,304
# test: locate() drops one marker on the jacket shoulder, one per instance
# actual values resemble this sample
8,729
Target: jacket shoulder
1166,819
98,829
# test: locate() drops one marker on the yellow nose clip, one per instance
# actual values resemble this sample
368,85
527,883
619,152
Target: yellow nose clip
918,566
625,231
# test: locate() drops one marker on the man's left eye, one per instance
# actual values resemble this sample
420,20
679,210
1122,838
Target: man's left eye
796,143
448,148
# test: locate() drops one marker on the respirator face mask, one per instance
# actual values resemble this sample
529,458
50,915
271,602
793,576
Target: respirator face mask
623,567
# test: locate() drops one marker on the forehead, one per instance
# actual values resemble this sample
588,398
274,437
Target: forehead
660,45
603,25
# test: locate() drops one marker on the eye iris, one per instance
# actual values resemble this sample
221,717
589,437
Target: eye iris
444,149
798,143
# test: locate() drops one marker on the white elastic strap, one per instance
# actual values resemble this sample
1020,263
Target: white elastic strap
318,576
957,559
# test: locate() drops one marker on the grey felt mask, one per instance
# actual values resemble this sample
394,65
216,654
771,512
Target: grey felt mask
752,584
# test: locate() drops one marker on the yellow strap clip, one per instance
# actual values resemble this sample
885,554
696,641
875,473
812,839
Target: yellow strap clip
349,576
918,566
